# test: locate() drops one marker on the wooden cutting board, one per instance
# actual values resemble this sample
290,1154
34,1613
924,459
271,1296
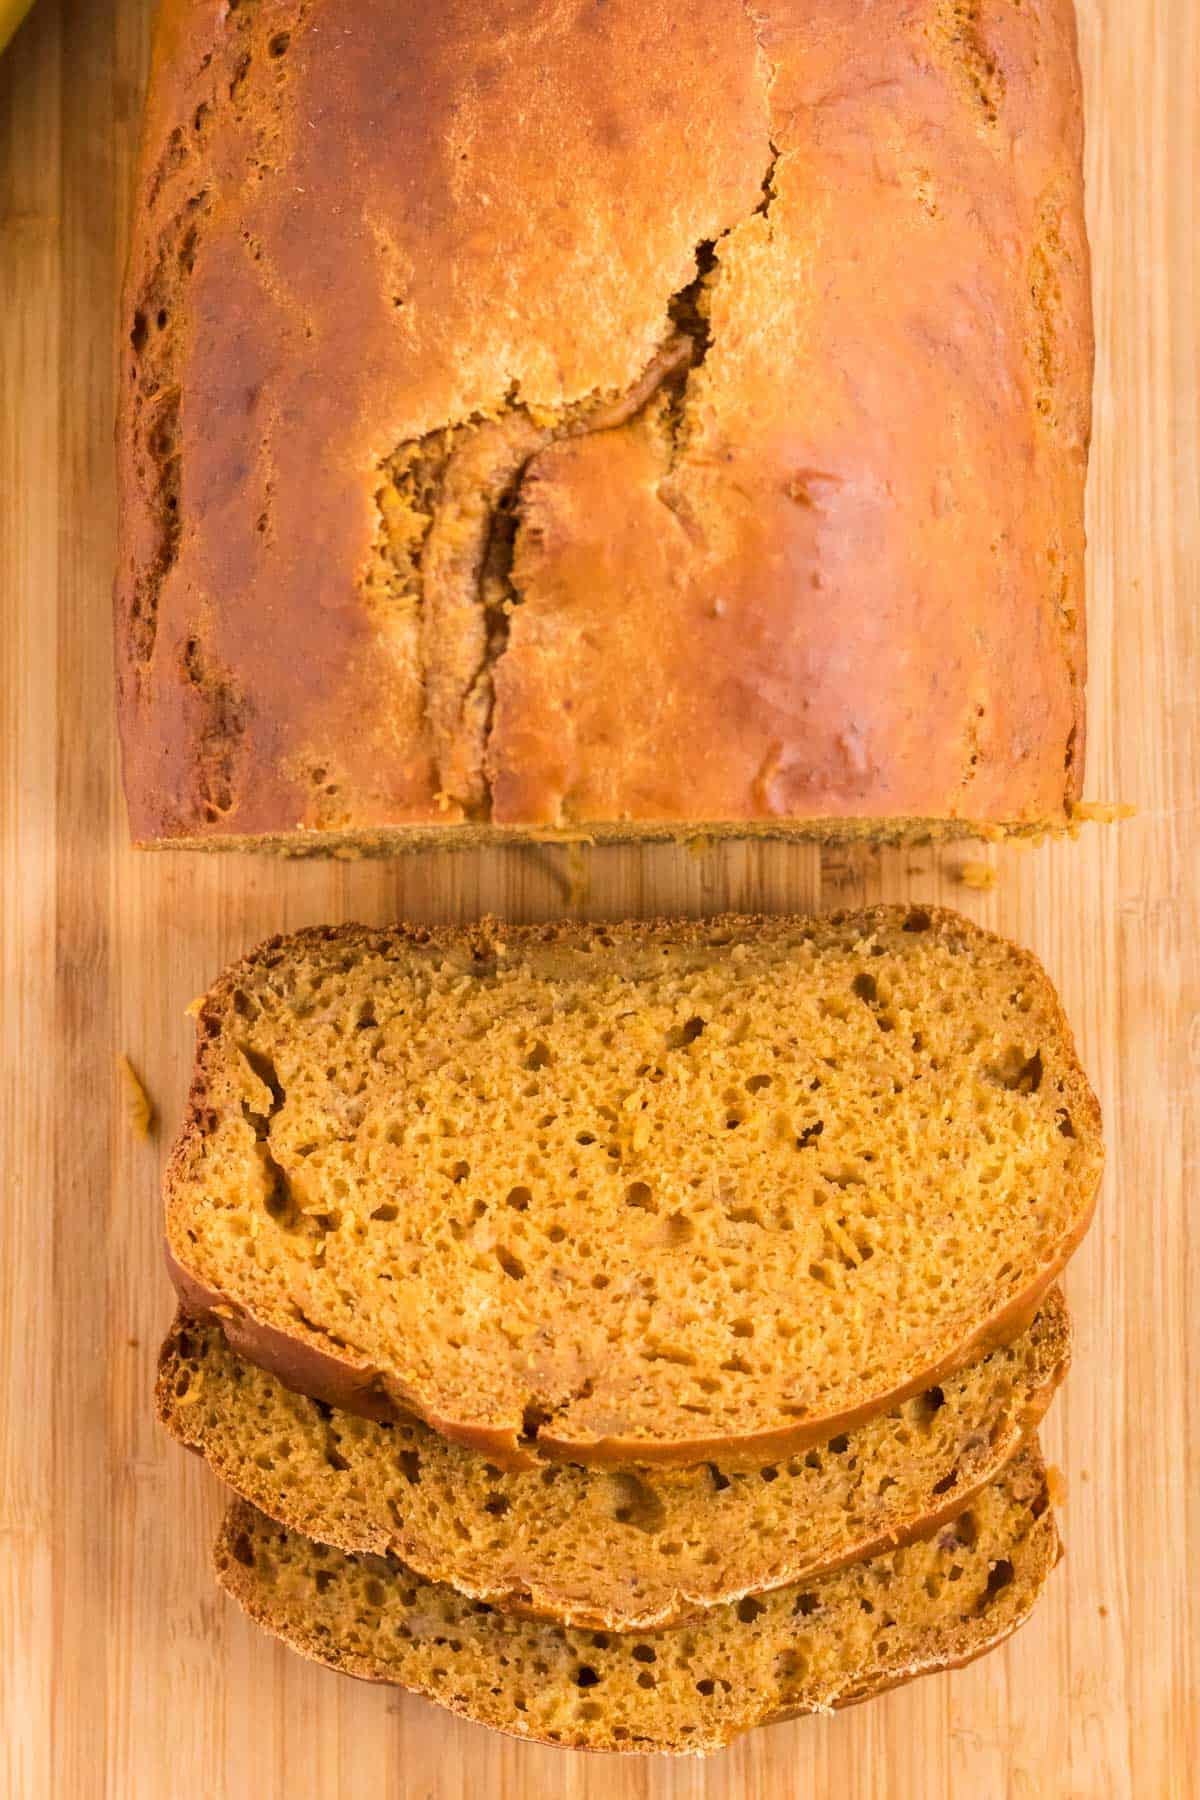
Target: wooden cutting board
124,1673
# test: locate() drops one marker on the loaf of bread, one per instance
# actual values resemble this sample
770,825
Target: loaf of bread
931,1605
637,1193
620,1550
613,420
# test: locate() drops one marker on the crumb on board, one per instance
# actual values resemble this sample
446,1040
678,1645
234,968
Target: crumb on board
1102,812
138,1107
979,875
1056,1485
192,1009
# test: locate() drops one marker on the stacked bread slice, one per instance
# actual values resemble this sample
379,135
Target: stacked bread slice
630,1335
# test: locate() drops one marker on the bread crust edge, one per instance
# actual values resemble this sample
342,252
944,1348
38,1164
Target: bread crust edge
1045,1555
536,1600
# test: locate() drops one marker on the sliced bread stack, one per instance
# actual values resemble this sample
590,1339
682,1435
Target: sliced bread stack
630,1335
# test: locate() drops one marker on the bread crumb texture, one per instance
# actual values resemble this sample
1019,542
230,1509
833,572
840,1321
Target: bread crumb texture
138,1107
624,1550
638,1192
649,567
804,1648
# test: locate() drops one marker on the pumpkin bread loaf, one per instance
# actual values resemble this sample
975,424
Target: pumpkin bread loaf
646,419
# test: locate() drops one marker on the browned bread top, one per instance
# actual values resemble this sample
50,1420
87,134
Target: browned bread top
614,417
611,1549
842,1637
633,1193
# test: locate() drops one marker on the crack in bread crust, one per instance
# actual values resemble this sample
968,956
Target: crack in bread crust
449,509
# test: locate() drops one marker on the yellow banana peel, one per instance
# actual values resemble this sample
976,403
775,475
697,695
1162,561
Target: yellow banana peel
11,14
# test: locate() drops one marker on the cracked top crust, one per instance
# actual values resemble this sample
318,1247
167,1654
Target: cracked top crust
604,420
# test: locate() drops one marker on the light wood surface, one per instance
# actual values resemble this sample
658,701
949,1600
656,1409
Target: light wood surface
123,1672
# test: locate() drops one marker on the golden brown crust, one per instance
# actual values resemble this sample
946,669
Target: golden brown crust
196,1409
303,1358
839,577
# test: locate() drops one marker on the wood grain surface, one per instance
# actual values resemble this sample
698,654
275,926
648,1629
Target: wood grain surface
123,1672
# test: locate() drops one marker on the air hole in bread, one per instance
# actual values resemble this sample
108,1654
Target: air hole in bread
1000,1576
410,1466
637,1504
532,1420
686,1034
966,1529
1017,1072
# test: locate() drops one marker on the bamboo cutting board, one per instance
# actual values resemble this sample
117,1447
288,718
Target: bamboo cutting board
122,1672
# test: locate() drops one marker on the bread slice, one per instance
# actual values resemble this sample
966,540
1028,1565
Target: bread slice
614,1551
636,1193
804,1648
